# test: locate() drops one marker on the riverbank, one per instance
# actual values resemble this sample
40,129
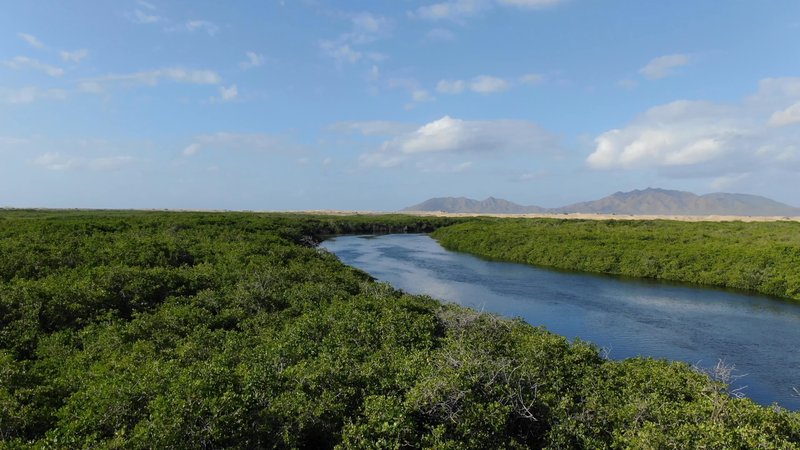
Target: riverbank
759,257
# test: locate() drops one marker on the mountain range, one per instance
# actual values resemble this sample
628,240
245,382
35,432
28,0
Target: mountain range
648,201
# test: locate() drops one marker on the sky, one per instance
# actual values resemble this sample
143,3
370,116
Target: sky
378,105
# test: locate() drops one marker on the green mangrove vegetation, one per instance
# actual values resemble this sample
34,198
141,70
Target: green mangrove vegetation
232,330
761,257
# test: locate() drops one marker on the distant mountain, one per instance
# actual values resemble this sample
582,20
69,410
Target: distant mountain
639,202
467,205
667,202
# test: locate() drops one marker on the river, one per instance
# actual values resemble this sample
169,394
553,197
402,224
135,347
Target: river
758,335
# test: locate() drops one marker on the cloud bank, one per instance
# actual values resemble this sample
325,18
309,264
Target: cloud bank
700,138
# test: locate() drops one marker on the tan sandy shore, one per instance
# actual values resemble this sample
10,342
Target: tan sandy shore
567,216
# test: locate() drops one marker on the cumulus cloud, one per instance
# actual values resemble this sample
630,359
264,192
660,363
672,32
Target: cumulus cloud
458,10
451,86
531,4
367,27
532,78
57,161
482,84
702,139
373,127
432,166
140,17
75,56
374,73
193,25
23,62
452,10
364,29
228,93
664,66
421,95
32,40
151,78
30,94
788,116
253,60
9,141
455,136
485,84
417,93
342,53
201,25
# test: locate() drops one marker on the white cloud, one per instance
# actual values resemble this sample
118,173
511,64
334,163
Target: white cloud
56,161
253,60
703,139
191,26
200,25
142,18
373,128
342,53
664,66
75,56
151,78
485,84
417,93
458,10
788,116
53,161
727,181
455,136
451,86
191,149
30,94
432,166
421,95
8,141
452,10
374,73
253,142
32,40
147,5
531,4
532,78
228,93
365,28
23,62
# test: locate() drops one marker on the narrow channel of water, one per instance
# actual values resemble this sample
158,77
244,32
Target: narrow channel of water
757,334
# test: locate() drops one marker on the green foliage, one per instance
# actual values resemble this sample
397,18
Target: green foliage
165,330
759,256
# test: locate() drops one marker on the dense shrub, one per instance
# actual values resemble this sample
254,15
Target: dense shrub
760,256
156,330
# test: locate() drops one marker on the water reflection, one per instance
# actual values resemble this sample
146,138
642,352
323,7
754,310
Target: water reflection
700,326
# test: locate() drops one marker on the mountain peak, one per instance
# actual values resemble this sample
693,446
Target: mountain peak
648,201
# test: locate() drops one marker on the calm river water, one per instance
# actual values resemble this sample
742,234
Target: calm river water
759,335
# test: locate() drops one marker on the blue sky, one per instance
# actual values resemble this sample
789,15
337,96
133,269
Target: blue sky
285,105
